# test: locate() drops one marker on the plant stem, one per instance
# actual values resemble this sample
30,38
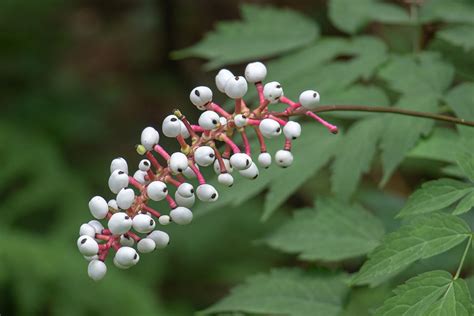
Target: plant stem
458,272
380,109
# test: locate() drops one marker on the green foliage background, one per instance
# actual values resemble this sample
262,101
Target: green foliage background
79,79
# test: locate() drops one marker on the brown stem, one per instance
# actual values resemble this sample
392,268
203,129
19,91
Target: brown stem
380,109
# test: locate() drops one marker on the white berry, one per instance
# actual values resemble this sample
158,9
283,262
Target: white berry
309,99
178,162
265,160
269,128
184,201
117,181
240,120
149,138
126,256
207,193
140,176
98,207
143,223
119,223
240,161
164,220
119,164
272,91
146,245
200,96
181,215
225,179
185,190
171,126
255,72
160,238
204,156
189,172
283,158
97,226
228,167
209,120
126,240
236,87
292,130
251,172
96,270
221,79
87,230
157,190
125,198
87,246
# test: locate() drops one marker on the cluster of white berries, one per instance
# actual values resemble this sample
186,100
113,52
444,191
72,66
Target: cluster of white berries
131,221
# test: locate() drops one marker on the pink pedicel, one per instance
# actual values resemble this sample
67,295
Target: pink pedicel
176,210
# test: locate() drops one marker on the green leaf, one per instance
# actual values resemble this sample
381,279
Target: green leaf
263,32
438,146
430,293
454,11
364,301
424,73
315,233
465,161
465,205
320,151
461,101
424,237
435,195
353,161
350,16
401,133
286,291
458,35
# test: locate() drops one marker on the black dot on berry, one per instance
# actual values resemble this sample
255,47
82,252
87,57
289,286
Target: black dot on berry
214,122
211,155
278,130
236,78
256,176
173,119
315,95
165,190
294,137
135,257
126,217
278,86
244,117
151,222
121,172
126,236
83,241
196,92
213,196
180,170
192,191
247,162
146,163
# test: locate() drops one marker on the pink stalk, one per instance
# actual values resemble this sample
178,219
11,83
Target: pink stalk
198,173
102,237
189,127
106,232
279,120
151,211
332,128
287,145
197,128
245,139
220,161
261,140
171,202
227,151
229,142
151,175
261,97
135,183
253,122
134,236
172,181
153,160
105,251
291,103
217,108
161,152
117,245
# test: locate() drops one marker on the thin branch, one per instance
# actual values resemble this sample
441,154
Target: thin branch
380,109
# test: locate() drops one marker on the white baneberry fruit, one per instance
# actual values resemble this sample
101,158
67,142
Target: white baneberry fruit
309,99
149,138
228,167
181,215
222,120
126,240
119,164
140,176
283,158
225,179
157,190
236,87
143,223
272,91
269,128
97,226
87,246
160,238
209,120
144,165
251,172
164,220
171,126
178,162
118,265
240,161
184,201
185,190
292,130
255,72
125,198
117,181
207,193
221,79
98,207
204,156
127,256
96,270
184,130
240,120
189,172
90,258
200,96
265,160
146,245
87,230
119,223
113,204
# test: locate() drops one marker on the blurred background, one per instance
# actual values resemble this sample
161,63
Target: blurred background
79,79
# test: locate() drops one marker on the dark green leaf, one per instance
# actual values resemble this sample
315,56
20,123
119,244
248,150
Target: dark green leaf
465,205
315,233
461,101
423,237
454,11
465,161
435,195
438,146
459,36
